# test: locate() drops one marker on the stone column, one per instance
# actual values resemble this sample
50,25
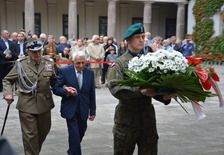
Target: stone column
11,15
180,21
72,18
52,17
89,11
29,16
147,16
111,18
123,19
3,18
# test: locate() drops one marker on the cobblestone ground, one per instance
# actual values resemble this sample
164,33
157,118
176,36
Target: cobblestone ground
180,133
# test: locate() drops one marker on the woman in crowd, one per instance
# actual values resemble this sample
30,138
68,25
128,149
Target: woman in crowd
63,44
121,48
107,52
188,47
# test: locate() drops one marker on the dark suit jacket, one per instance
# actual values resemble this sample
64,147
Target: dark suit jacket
85,102
3,47
17,50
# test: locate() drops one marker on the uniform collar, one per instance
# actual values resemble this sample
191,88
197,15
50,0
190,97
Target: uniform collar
132,53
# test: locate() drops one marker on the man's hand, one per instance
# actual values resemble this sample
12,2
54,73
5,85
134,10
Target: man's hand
21,56
71,91
9,56
99,59
91,118
148,92
169,96
9,98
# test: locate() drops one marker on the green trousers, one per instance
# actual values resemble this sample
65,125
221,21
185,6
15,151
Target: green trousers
34,130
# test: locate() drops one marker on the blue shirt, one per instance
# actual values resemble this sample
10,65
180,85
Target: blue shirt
21,48
150,41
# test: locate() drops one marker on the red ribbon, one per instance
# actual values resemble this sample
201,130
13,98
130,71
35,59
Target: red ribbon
208,56
88,62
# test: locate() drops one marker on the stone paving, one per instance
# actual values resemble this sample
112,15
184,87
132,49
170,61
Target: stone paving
180,133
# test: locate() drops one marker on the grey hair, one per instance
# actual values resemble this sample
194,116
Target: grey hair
3,31
94,37
79,53
43,35
148,33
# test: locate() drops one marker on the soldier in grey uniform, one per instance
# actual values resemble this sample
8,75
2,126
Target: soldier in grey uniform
35,75
135,121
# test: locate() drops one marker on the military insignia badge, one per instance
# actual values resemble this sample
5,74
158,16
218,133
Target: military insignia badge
113,64
48,67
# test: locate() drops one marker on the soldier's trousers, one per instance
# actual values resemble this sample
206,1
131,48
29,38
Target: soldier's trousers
135,124
34,130
125,140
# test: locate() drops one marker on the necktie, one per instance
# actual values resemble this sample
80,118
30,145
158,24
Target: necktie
51,49
37,65
79,79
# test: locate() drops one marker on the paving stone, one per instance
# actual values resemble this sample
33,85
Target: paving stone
180,133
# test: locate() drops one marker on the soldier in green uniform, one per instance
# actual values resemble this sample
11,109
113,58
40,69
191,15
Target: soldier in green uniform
51,49
135,121
35,75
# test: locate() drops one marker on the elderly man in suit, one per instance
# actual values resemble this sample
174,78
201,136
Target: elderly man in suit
75,84
6,55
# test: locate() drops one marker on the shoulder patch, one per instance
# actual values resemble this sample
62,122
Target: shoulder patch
49,59
113,64
21,59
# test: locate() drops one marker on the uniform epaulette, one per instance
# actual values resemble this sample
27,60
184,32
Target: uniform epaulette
49,59
21,59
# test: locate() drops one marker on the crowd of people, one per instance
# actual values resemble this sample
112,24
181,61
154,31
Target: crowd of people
63,50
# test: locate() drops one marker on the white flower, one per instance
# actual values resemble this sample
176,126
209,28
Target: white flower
161,67
154,64
151,70
167,62
178,60
160,60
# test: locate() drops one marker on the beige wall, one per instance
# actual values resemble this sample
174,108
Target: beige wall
160,11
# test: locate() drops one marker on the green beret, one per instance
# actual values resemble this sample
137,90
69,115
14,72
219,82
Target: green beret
136,28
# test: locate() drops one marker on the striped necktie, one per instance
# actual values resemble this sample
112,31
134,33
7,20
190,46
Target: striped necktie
79,77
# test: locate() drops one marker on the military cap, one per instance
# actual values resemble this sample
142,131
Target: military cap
136,28
33,44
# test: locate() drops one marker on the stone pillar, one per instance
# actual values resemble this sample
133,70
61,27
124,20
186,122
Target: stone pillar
11,15
190,17
72,18
52,17
123,19
3,18
147,16
111,18
89,11
180,21
29,16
